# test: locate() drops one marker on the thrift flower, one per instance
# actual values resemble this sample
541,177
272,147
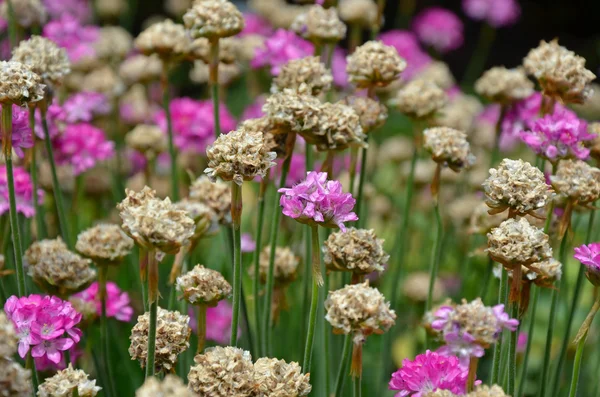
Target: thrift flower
317,200
118,304
23,192
439,28
497,13
84,105
82,146
589,256
74,37
55,117
248,244
279,48
21,132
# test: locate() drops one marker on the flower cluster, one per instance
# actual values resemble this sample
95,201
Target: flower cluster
82,145
23,192
439,28
407,45
118,304
75,38
21,137
280,48
497,13
589,256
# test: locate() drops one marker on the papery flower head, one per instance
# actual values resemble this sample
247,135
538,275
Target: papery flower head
319,201
497,13
503,85
577,181
167,39
356,250
82,146
439,28
19,85
407,45
374,64
27,13
23,192
319,25
361,13
517,242
427,373
213,19
64,383
84,106
77,39
105,244
420,99
276,377
45,58
21,136
279,48
170,386
449,147
118,304
589,256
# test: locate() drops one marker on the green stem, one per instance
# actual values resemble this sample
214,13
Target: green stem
512,352
39,216
58,196
496,149
326,334
536,295
352,171
236,216
435,258
307,248
256,282
30,365
172,151
214,83
479,57
343,369
14,220
314,302
357,385
498,346
201,330
580,339
153,304
102,277
12,24
361,186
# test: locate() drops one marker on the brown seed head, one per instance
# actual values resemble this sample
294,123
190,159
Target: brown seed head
476,319
19,85
170,386
356,250
374,64
213,19
140,69
44,57
207,223
439,74
372,114
319,25
339,128
449,147
203,286
167,39
309,73
114,44
293,110
286,265
420,99
147,139
276,378
216,195
27,13
15,381
516,242
104,244
577,181
503,85
64,383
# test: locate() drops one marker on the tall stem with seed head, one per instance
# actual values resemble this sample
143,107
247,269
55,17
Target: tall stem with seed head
213,79
39,216
236,219
153,305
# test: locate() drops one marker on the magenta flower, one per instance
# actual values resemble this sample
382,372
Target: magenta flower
338,68
218,322
589,256
46,325
497,13
317,200
255,24
55,117
83,106
82,146
248,244
21,132
75,38
23,192
254,110
279,48
79,9
522,342
439,28
118,304
407,45
462,346
558,135
427,373
504,320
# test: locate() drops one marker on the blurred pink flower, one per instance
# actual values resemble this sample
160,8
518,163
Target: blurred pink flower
248,244
218,322
79,9
84,105
117,302
254,110
589,256
255,24
82,146
338,68
522,342
23,192
55,117
279,48
462,346
439,28
407,45
21,132
74,37
497,13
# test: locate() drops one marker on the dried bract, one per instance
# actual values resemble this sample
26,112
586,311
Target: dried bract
276,378
449,147
203,286
374,64
104,244
213,19
64,383
356,250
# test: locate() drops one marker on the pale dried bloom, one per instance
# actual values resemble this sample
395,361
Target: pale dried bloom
449,147
147,139
140,69
359,309
19,85
251,43
216,195
459,113
27,13
170,386
172,338
222,372
204,217
110,9
560,72
356,250
285,266
372,114
517,186
228,72
104,244
577,181
44,57
294,110
275,140
154,223
309,71
239,156
516,242
56,269
358,12
339,128
319,25
503,85
416,285
374,64
481,222
113,44
229,49
15,381
396,149
64,383
213,19
439,74
203,286
440,393
475,319
167,39
104,80
420,99
487,391
276,378
8,338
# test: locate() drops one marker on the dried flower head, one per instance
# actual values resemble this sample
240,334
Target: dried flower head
358,12
374,64
216,195
285,265
359,309
481,222
64,383
147,139
516,242
44,57
15,381
308,73
239,156
319,25
356,250
503,85
172,338
438,73
213,19
415,287
459,113
204,217
170,386
19,85
27,13
420,99
56,269
372,114
140,69
550,270
230,49
293,110
103,80
487,391
104,244
577,181
203,286
113,44
167,39
560,72
339,128
276,378
228,72
223,372
517,186
449,147
8,338
154,223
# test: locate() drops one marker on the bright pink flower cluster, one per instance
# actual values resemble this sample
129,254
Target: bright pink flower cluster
118,304
75,38
407,45
320,201
84,106
255,24
82,146
21,132
497,13
558,135
79,9
218,322
44,324
193,124
23,192
280,48
427,373
589,256
439,28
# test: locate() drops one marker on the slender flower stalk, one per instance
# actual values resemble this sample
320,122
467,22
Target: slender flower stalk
512,352
314,299
343,369
256,260
502,292
487,35
236,220
102,277
213,79
153,307
532,317
39,216
201,328
172,152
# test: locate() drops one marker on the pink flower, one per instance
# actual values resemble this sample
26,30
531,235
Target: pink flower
318,200
427,373
461,345
439,28
408,47
52,349
522,342
279,48
558,135
55,117
79,9
338,68
255,24
21,132
504,320
118,304
497,13
83,106
248,244
218,322
82,146
23,192
254,110
75,38
589,256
